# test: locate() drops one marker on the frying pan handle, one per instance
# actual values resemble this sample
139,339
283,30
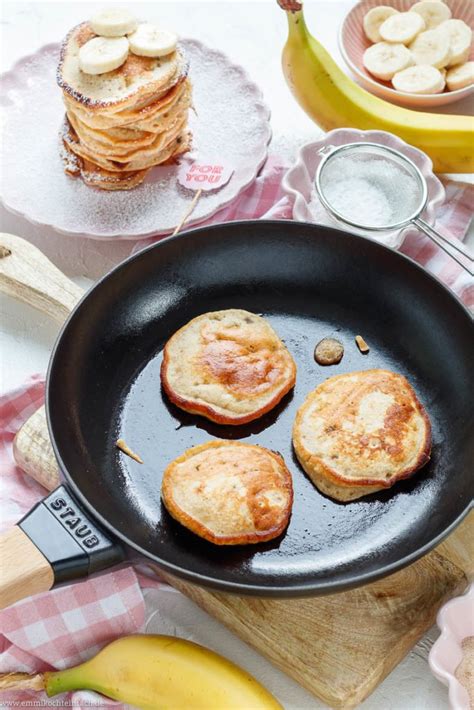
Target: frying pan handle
54,543
27,274
24,570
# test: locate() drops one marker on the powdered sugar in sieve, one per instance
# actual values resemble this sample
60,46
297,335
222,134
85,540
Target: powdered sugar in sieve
373,187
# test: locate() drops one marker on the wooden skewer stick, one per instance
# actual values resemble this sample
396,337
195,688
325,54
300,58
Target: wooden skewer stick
120,443
188,212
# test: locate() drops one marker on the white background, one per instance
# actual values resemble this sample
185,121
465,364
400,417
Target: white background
252,33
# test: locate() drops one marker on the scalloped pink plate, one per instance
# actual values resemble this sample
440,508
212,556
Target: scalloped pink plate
230,125
353,43
299,181
456,622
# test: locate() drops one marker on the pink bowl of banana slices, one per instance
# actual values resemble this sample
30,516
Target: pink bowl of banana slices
417,54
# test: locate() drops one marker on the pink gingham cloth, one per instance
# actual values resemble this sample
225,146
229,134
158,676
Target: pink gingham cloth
69,624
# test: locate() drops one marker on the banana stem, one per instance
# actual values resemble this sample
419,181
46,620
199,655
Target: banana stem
53,682
56,682
297,28
290,5
21,681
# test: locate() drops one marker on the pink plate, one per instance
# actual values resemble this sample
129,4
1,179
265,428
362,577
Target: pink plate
230,125
299,181
456,622
353,43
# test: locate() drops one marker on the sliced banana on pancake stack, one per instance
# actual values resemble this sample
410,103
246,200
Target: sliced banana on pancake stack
127,96
422,51
113,23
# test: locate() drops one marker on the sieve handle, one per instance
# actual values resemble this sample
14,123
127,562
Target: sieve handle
446,244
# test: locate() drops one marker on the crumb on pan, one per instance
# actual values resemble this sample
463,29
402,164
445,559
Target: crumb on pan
328,351
361,344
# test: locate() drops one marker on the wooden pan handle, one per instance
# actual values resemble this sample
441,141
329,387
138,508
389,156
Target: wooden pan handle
24,571
33,451
27,274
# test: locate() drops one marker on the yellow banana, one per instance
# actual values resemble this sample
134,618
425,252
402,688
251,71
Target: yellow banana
333,100
156,673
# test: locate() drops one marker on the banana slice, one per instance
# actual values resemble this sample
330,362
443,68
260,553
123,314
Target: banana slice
103,54
113,23
402,27
460,76
419,79
383,59
149,41
433,12
460,37
461,58
431,47
374,18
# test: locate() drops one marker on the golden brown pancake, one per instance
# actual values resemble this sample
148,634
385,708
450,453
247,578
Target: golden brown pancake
229,366
77,164
121,123
229,493
124,140
137,80
142,115
360,433
162,149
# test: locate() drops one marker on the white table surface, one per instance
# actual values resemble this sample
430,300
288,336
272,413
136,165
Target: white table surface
251,33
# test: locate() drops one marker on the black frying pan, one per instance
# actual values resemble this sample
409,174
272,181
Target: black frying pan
310,282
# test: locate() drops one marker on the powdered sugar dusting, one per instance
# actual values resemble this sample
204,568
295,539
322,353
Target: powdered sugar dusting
71,162
231,122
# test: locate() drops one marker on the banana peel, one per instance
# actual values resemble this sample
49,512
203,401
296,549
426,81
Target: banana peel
333,100
154,672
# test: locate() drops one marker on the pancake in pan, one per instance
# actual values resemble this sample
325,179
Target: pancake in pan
229,366
229,493
360,433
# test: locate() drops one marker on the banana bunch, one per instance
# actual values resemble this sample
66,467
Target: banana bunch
156,672
333,100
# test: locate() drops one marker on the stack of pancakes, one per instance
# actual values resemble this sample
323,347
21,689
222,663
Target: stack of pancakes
120,124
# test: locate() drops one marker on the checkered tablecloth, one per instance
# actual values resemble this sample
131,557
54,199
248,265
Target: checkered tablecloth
68,625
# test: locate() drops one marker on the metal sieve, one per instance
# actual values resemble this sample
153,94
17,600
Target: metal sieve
375,188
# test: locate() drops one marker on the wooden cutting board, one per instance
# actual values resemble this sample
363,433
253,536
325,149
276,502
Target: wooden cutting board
339,647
